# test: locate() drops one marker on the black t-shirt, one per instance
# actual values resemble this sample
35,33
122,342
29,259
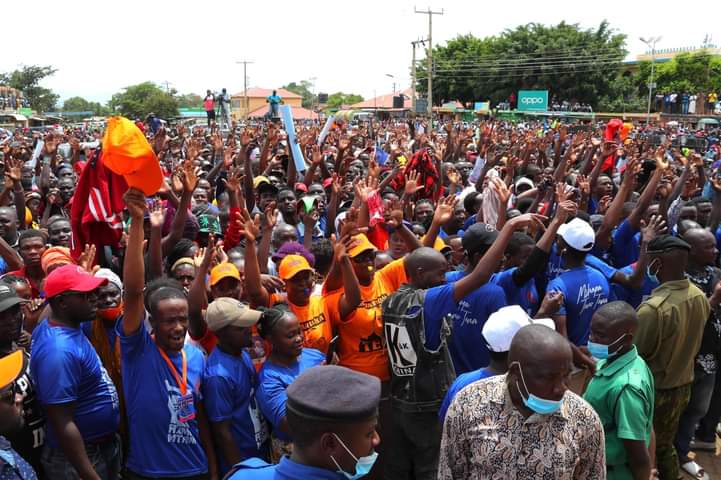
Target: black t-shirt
29,441
710,352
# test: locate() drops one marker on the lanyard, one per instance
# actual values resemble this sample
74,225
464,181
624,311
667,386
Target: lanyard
184,383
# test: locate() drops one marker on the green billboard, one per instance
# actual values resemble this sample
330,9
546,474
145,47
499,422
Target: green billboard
533,100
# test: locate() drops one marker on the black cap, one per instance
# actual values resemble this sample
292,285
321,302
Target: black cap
479,237
8,297
666,243
333,393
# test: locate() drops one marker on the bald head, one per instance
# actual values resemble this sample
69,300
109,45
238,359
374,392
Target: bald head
617,314
539,345
425,267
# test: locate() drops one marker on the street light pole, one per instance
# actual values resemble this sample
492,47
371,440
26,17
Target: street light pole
394,82
651,42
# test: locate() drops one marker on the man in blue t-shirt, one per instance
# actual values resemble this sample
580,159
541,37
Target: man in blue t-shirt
162,376
415,436
230,383
584,288
497,334
273,101
78,396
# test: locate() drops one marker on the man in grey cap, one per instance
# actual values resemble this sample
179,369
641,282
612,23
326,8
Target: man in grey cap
332,413
671,324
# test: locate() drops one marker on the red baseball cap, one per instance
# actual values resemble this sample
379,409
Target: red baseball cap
71,278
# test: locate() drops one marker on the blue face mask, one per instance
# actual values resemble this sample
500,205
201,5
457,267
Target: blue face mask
535,403
363,465
600,351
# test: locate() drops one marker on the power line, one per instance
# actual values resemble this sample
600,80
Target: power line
451,76
530,61
526,67
549,53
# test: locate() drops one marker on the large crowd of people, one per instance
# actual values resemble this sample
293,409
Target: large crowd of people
406,300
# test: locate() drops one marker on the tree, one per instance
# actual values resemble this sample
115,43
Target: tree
572,63
137,101
79,104
686,72
27,79
335,100
304,90
190,100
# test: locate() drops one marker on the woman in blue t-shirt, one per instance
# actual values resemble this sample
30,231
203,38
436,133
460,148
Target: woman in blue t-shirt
287,360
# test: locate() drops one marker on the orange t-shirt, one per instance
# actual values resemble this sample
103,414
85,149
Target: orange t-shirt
362,345
314,320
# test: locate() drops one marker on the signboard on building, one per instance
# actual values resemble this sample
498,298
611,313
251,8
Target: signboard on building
533,100
482,107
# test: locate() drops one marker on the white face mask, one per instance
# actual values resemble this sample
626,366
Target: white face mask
363,465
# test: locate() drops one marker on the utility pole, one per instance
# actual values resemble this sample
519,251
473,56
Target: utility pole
651,42
167,86
430,14
245,88
413,74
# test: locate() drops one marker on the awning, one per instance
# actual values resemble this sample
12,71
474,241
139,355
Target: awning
708,121
16,116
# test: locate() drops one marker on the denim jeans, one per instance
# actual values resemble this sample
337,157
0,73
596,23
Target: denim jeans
105,458
706,431
701,392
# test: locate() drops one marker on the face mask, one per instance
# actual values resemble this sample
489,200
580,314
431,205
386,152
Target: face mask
111,313
537,404
600,351
652,276
362,467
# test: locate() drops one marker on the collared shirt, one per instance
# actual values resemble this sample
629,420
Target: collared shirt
12,465
287,469
486,436
671,324
622,394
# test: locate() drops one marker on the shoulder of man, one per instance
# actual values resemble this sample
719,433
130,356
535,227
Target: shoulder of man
657,298
251,469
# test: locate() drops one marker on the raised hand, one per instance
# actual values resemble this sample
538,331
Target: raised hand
86,259
189,176
445,208
157,214
527,219
135,202
501,190
551,303
412,179
250,227
656,226
661,162
564,210
454,177
270,218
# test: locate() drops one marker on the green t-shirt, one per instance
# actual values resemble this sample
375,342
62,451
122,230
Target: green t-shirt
622,393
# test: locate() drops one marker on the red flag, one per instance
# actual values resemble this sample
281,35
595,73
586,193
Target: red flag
95,214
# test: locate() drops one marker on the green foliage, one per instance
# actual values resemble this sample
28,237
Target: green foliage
335,100
304,90
190,100
570,62
623,96
27,79
687,72
79,104
137,101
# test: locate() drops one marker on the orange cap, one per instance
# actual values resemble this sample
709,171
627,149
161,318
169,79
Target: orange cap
291,265
127,152
362,244
440,245
224,270
10,368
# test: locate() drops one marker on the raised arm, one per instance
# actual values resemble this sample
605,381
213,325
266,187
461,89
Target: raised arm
133,265
155,249
188,175
613,214
489,262
253,285
351,297
443,213
634,219
197,298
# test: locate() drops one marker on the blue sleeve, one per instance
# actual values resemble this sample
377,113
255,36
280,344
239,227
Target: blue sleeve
218,393
271,397
557,285
57,376
438,302
450,395
132,346
607,270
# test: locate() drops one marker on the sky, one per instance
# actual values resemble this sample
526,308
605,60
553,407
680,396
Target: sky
100,47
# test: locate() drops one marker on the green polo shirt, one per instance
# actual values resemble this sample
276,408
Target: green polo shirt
622,393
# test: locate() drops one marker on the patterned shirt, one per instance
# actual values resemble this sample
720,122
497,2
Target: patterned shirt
486,437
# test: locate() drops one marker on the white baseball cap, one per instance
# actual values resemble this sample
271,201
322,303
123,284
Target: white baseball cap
578,234
503,324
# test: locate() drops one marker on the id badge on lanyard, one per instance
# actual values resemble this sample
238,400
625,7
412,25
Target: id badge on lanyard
186,405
